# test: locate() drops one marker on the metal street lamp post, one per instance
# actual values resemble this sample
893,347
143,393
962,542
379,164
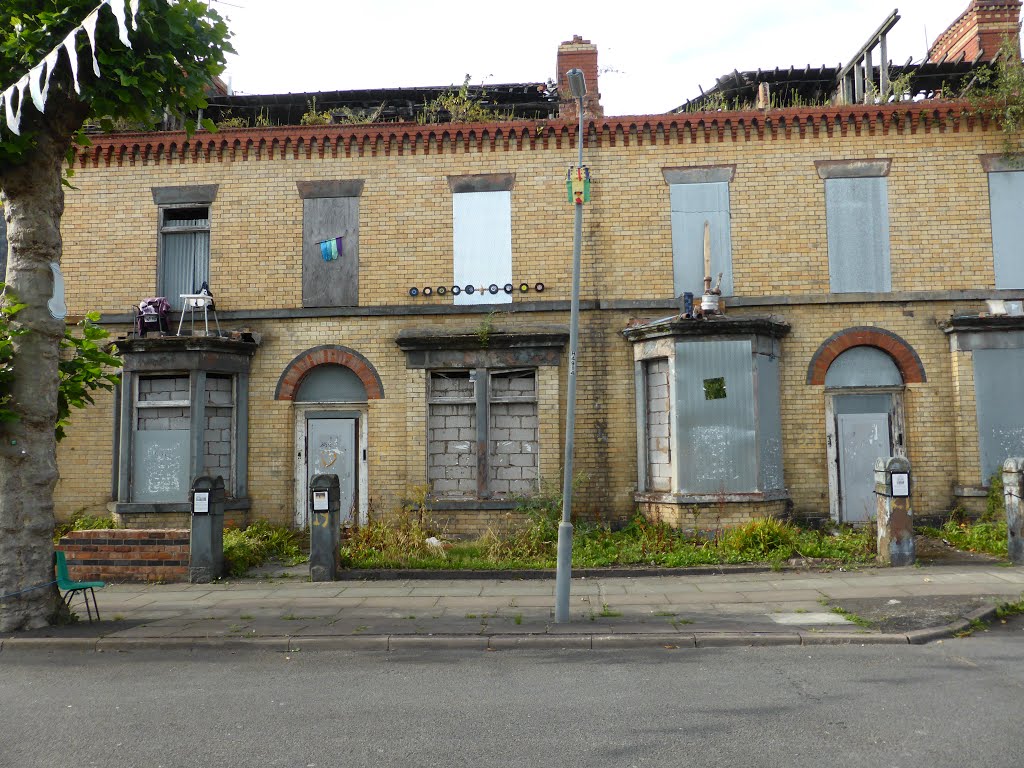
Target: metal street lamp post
563,575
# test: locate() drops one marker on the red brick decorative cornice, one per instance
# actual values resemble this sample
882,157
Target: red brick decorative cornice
304,362
400,139
906,359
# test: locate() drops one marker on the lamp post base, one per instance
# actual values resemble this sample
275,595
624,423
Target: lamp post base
563,574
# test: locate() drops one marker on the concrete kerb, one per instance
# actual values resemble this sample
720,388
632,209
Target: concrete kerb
963,624
495,642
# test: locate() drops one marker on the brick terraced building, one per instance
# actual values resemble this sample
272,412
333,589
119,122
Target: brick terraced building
360,276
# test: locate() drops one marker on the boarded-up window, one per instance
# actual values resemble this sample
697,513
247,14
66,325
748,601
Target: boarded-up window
997,377
510,431
184,252
513,436
162,438
219,428
1006,197
857,216
659,427
483,246
451,434
330,275
160,457
717,437
692,205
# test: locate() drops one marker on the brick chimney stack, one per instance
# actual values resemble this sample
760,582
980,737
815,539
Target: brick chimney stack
979,31
581,54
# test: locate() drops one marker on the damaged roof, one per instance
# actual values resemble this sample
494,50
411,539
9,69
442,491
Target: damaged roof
527,101
817,85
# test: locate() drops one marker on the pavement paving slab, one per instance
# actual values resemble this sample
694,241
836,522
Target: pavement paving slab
614,611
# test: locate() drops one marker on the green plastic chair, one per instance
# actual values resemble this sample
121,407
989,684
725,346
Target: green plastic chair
69,587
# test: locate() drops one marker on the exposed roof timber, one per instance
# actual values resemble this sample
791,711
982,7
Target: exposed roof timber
815,85
871,44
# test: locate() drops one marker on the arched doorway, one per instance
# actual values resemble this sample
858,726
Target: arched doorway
330,438
863,421
330,387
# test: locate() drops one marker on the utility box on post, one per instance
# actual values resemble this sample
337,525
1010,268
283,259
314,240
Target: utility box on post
895,514
324,527
206,542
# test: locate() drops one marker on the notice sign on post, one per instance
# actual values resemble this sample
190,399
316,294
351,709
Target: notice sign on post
900,484
319,501
201,502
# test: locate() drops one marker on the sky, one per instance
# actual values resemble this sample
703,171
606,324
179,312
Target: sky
650,61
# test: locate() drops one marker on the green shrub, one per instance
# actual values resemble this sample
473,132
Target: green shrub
760,540
995,501
989,538
249,547
80,521
398,542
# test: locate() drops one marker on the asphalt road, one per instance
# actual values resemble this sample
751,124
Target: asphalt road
956,703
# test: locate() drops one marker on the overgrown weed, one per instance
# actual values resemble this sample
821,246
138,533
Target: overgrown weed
246,548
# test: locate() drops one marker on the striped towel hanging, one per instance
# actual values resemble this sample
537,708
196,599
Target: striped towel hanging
331,249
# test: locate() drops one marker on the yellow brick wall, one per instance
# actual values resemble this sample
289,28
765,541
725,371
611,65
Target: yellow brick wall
940,240
938,203
965,422
711,517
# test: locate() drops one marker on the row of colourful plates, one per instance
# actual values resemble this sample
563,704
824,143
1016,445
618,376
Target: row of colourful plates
471,289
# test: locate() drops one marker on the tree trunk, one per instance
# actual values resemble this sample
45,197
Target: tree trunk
28,449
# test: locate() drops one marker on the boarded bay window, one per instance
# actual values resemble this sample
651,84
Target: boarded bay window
181,413
708,409
183,258
1006,199
482,237
163,439
699,195
330,242
857,220
460,403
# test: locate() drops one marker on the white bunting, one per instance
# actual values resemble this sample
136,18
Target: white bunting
37,81
14,118
69,46
89,25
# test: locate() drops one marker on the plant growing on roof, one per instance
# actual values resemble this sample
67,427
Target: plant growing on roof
313,117
460,106
997,92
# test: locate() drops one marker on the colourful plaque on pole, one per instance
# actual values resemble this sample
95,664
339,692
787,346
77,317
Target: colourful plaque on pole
577,184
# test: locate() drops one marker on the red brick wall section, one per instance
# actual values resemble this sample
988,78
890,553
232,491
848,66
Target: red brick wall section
127,555
979,31
906,359
578,54
306,361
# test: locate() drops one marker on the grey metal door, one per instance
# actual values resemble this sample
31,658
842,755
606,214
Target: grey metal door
863,437
331,449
